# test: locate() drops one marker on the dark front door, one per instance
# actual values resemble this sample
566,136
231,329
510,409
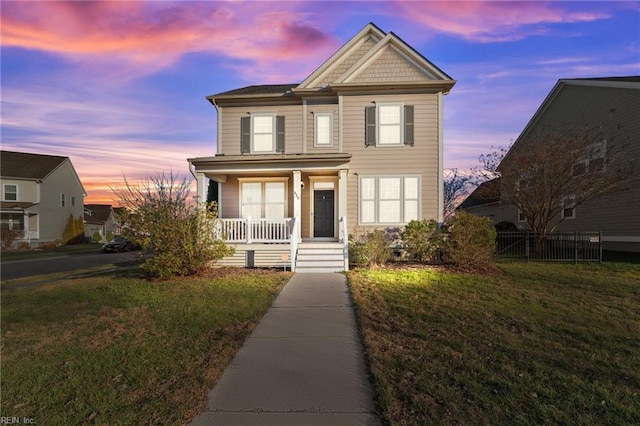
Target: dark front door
323,213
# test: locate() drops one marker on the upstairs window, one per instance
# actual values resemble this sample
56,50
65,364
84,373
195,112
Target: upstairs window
10,193
62,199
262,134
593,161
569,208
389,125
323,126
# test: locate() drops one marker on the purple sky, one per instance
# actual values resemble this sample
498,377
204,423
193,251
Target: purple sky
120,86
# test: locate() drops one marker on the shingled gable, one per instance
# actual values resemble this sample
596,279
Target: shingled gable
370,48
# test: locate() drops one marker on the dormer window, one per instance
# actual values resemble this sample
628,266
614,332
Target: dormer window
262,134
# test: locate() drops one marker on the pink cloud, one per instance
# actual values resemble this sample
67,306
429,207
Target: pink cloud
143,37
492,21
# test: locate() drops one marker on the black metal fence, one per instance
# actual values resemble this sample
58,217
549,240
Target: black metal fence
555,247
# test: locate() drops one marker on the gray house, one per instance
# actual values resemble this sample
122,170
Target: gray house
613,102
100,218
356,145
39,192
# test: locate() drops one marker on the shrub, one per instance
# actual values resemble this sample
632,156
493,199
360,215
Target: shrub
74,231
9,238
470,241
96,237
110,236
370,249
161,218
422,240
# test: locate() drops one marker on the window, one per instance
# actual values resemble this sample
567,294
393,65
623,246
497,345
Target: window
323,130
569,208
389,125
521,217
264,199
10,193
62,200
389,199
261,134
73,201
12,222
593,161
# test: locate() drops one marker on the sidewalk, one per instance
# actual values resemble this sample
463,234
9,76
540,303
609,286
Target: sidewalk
302,365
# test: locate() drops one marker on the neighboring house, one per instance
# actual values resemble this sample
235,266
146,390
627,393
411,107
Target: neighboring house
357,143
485,201
39,192
612,102
99,218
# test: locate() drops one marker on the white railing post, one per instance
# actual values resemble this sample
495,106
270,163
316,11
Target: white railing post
249,230
345,242
293,241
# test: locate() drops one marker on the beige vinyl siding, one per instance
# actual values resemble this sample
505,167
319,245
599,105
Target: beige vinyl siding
27,190
421,159
328,107
266,256
230,131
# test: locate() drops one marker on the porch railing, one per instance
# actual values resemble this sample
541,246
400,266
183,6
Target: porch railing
252,230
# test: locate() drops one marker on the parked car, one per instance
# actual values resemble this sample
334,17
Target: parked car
119,244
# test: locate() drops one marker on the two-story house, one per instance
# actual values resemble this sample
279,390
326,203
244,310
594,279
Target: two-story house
39,192
357,145
100,218
609,103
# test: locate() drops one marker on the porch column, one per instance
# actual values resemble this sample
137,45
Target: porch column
342,194
297,199
201,188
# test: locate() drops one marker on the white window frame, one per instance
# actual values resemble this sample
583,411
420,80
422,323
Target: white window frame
316,142
521,217
376,200
273,133
379,124
263,203
5,192
571,202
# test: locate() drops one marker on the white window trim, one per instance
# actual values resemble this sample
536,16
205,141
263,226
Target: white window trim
565,202
322,183
4,191
524,220
316,144
376,199
378,124
273,132
264,180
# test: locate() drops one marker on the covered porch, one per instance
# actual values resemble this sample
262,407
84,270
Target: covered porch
270,204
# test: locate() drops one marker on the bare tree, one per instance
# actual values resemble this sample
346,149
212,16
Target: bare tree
556,170
161,217
457,185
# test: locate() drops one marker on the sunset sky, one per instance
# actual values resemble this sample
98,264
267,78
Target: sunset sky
119,87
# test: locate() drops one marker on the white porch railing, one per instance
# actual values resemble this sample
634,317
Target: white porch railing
251,230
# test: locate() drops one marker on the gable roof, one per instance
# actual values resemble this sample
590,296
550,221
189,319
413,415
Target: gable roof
349,68
99,213
23,165
622,82
486,193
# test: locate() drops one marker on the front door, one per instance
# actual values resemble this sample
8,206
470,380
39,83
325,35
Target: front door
323,218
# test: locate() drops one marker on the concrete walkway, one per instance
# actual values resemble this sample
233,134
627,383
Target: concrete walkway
302,365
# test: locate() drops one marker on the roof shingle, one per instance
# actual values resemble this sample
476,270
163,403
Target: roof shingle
28,166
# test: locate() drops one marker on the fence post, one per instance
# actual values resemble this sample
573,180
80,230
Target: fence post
575,247
526,246
599,247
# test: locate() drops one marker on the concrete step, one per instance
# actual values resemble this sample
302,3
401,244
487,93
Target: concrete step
318,270
329,256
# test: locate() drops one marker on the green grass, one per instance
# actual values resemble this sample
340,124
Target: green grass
538,344
118,349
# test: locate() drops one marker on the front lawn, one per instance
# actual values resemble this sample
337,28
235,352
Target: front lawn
539,344
121,350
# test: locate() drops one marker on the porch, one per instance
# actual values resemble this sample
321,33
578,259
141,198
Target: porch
276,243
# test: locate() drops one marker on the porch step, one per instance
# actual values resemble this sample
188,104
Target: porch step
320,258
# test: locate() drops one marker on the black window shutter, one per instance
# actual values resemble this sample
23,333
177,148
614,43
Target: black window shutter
370,126
408,125
280,133
245,135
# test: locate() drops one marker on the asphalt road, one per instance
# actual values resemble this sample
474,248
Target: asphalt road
33,267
